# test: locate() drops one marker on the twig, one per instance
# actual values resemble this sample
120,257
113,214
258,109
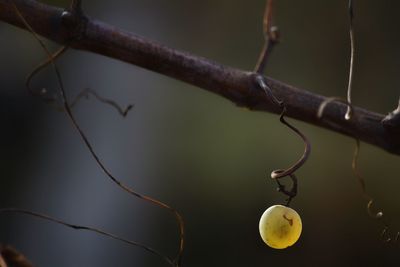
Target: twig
271,35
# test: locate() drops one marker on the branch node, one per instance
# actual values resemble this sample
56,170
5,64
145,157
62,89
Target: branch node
392,120
274,34
75,19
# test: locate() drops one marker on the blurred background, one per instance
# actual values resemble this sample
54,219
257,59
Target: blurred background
197,151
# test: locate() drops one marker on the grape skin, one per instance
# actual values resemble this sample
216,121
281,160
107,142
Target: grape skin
280,226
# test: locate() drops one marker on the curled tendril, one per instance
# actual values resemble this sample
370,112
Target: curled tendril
280,173
354,165
87,92
348,116
357,174
307,149
385,235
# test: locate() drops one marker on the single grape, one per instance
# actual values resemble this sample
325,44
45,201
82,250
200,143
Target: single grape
280,226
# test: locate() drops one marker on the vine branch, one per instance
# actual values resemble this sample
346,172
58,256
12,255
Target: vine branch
239,86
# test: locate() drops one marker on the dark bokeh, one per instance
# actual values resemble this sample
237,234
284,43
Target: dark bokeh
197,151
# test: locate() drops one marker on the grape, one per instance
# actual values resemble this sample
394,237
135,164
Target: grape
280,226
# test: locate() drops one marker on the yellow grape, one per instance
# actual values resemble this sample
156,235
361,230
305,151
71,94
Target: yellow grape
280,226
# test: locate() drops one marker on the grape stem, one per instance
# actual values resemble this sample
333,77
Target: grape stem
290,193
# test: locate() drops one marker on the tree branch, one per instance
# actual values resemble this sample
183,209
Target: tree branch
236,85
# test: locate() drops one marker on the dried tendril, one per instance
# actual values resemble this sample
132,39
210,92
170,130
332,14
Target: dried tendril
348,116
290,171
85,93
67,107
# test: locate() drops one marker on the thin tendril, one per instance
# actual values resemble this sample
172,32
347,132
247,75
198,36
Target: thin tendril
357,173
361,181
307,149
40,67
280,173
84,93
90,148
87,91
87,228
271,35
354,163
352,52
374,214
348,115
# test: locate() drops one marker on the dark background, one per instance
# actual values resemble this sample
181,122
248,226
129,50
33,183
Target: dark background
197,151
